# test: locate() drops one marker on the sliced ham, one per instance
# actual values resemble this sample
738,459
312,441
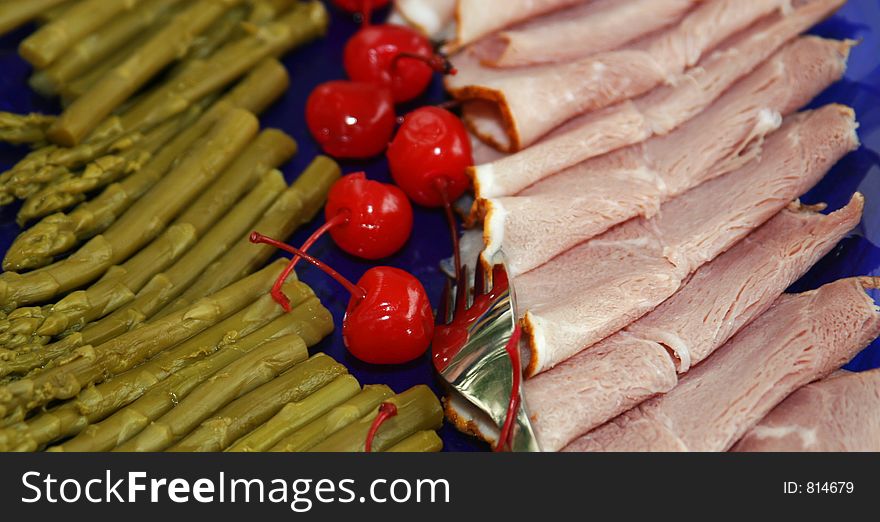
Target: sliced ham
801,338
601,286
434,18
839,413
582,30
730,291
532,101
657,112
478,18
581,202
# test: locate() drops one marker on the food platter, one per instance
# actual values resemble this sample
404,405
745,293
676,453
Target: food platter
322,61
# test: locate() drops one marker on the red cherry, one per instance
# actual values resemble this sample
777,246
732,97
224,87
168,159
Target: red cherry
394,323
431,148
380,217
395,57
388,319
350,119
358,6
365,218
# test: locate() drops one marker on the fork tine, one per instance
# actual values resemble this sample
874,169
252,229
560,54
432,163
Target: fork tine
444,308
462,291
480,283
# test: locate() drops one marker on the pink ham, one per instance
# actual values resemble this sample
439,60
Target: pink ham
801,338
599,287
589,28
532,101
840,413
564,210
730,291
478,18
658,112
434,18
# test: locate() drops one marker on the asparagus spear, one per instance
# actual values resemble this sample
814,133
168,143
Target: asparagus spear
304,438
144,220
56,234
417,409
24,128
224,29
69,188
304,23
263,11
95,364
235,380
94,47
165,286
421,442
296,206
14,14
87,111
50,41
249,411
170,374
55,12
297,414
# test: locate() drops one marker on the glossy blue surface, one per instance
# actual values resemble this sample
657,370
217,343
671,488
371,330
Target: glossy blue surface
322,60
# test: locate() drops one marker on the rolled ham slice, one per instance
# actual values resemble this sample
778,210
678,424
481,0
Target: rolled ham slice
579,31
839,413
604,284
802,338
478,18
657,112
433,18
529,102
566,209
720,298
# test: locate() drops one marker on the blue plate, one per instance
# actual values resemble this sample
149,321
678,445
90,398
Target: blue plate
322,61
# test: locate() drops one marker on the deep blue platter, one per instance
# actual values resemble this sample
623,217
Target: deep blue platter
322,61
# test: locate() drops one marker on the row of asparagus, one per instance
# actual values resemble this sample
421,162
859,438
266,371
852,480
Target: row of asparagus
230,372
99,56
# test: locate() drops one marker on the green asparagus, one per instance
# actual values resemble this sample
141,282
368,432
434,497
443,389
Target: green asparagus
171,373
87,111
306,437
92,365
50,41
223,30
165,286
263,11
55,12
235,380
70,188
14,14
296,206
417,409
306,22
58,233
249,411
92,48
24,128
144,220
270,149
422,442
297,414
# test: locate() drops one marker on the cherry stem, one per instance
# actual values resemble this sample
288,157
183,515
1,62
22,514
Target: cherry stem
436,62
386,411
277,293
367,13
442,187
506,434
355,290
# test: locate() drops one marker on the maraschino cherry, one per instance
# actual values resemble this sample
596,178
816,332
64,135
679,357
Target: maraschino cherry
365,218
351,119
388,319
428,158
395,57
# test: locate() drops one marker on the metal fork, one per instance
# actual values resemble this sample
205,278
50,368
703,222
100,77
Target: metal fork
474,325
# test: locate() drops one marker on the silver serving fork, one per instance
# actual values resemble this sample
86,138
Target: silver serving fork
474,325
